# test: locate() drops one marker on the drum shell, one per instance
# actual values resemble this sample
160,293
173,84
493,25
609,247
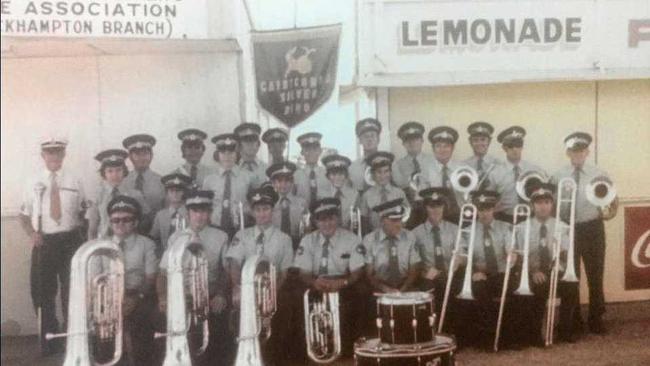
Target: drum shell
403,330
366,353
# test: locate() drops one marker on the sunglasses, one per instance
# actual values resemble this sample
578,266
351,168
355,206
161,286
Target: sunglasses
123,220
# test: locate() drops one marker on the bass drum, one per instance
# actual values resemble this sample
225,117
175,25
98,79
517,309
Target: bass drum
439,352
406,318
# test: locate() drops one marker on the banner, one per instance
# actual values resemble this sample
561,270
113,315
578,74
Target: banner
295,70
637,248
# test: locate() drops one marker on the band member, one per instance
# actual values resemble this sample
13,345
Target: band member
337,173
392,259
140,269
589,229
331,259
276,142
381,192
368,131
290,209
249,146
142,178
443,140
229,183
113,170
215,241
174,214
310,179
480,136
540,262
506,175
192,149
55,241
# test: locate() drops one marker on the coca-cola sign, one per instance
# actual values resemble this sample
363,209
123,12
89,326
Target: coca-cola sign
637,248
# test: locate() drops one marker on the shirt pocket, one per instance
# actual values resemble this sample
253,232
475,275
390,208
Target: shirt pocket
70,200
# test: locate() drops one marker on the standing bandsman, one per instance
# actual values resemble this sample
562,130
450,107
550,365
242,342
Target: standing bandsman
443,140
113,170
480,136
249,146
143,179
589,228
192,150
382,191
276,142
290,209
507,174
174,214
310,179
229,183
368,131
58,237
337,172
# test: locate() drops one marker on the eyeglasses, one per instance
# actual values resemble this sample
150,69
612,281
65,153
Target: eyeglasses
123,220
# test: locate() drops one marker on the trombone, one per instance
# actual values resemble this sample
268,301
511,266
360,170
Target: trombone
322,327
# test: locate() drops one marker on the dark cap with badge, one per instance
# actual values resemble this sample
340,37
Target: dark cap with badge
176,180
480,128
140,141
248,131
226,142
192,136
275,135
309,139
112,157
393,209
54,143
264,195
336,163
435,196
484,199
380,158
541,191
325,207
198,199
512,136
444,134
285,168
367,124
577,141
123,203
410,130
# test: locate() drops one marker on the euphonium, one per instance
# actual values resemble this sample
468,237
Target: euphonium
602,193
527,180
464,179
95,305
188,299
322,327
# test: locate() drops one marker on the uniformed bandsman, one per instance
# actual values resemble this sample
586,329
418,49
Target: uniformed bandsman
337,173
113,170
276,142
382,191
192,149
174,215
480,136
368,131
53,243
589,228
290,209
443,140
230,185
249,146
310,179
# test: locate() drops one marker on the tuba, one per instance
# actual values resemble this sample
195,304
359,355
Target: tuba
464,179
187,316
257,307
527,180
95,306
602,193
322,327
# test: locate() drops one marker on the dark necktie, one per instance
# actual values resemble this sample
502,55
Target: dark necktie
226,213
576,178
193,172
249,165
115,192
438,258
312,186
338,193
393,262
479,165
172,222
259,243
416,165
285,220
139,182
544,254
324,258
55,199
383,194
445,176
490,255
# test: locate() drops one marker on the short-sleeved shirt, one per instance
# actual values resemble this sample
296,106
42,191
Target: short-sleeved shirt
276,246
140,261
72,197
344,254
377,249
488,161
153,190
349,199
424,239
162,223
202,171
240,184
404,167
372,198
585,211
297,208
433,177
503,178
97,214
535,246
302,183
257,169
501,235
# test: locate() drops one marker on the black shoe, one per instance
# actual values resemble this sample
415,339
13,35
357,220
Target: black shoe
567,337
597,327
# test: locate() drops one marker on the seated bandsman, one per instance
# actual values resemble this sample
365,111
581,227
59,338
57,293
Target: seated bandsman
276,142
392,258
443,140
214,241
249,146
540,262
506,175
480,136
174,215
140,269
290,209
310,180
331,259
368,131
230,185
192,150
381,192
113,170
337,173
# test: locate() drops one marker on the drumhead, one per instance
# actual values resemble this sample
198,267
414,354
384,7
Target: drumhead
405,298
373,348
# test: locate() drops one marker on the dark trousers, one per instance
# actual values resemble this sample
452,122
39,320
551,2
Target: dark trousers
437,286
535,307
138,333
590,247
50,269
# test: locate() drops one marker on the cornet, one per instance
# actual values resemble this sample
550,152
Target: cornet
322,327
464,179
602,193
526,181
95,306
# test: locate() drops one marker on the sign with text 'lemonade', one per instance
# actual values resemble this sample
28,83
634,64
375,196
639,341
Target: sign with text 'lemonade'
157,19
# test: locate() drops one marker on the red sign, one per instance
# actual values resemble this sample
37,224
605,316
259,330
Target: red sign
637,248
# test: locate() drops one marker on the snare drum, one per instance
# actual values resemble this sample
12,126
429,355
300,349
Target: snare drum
406,318
439,352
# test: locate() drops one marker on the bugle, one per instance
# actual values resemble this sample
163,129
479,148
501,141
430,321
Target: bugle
322,327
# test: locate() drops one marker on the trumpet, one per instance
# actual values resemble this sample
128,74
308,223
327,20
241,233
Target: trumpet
95,306
188,313
180,223
602,193
304,226
415,181
367,177
527,180
466,226
464,179
240,207
322,327
355,221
